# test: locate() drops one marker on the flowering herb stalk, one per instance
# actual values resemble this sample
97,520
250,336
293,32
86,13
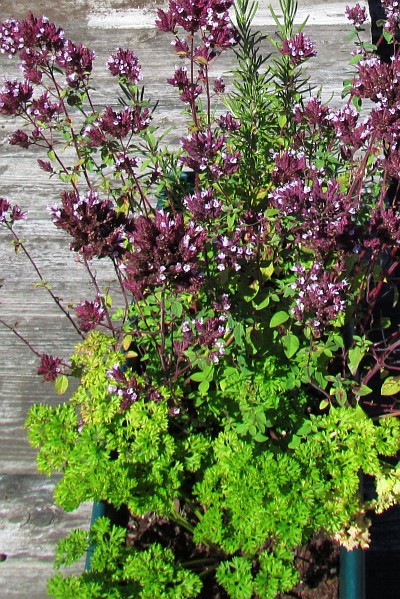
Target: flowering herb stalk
229,394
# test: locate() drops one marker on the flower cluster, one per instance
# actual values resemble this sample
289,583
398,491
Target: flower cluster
206,22
289,165
164,251
356,14
9,213
313,113
208,333
299,48
384,229
207,151
320,297
14,96
39,43
125,65
378,81
203,206
392,8
351,134
130,388
96,227
49,367
244,244
188,91
117,124
391,162
324,215
32,33
90,314
228,123
43,109
76,61
125,387
193,16
19,138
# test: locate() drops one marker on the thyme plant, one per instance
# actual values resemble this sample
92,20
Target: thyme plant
246,372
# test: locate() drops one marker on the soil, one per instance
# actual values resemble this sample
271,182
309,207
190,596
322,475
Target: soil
318,566
317,562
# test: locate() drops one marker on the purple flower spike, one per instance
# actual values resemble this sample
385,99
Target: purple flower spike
97,229
320,297
125,64
299,48
356,15
4,208
14,214
165,252
50,367
14,96
19,138
90,314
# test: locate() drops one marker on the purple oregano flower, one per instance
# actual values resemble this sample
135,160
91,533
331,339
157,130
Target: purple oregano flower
125,65
298,48
97,228
49,367
165,252
356,14
90,314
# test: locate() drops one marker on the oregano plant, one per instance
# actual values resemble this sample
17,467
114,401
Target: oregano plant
243,373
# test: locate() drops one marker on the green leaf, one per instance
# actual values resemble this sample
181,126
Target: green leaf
198,376
391,385
267,271
203,375
291,344
278,319
204,387
61,384
385,322
127,342
260,438
341,396
239,333
357,103
361,391
323,404
176,309
356,58
252,430
262,301
356,354
250,291
282,120
295,442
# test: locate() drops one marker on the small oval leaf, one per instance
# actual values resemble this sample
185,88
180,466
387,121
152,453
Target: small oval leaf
323,404
278,318
61,384
291,344
391,385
